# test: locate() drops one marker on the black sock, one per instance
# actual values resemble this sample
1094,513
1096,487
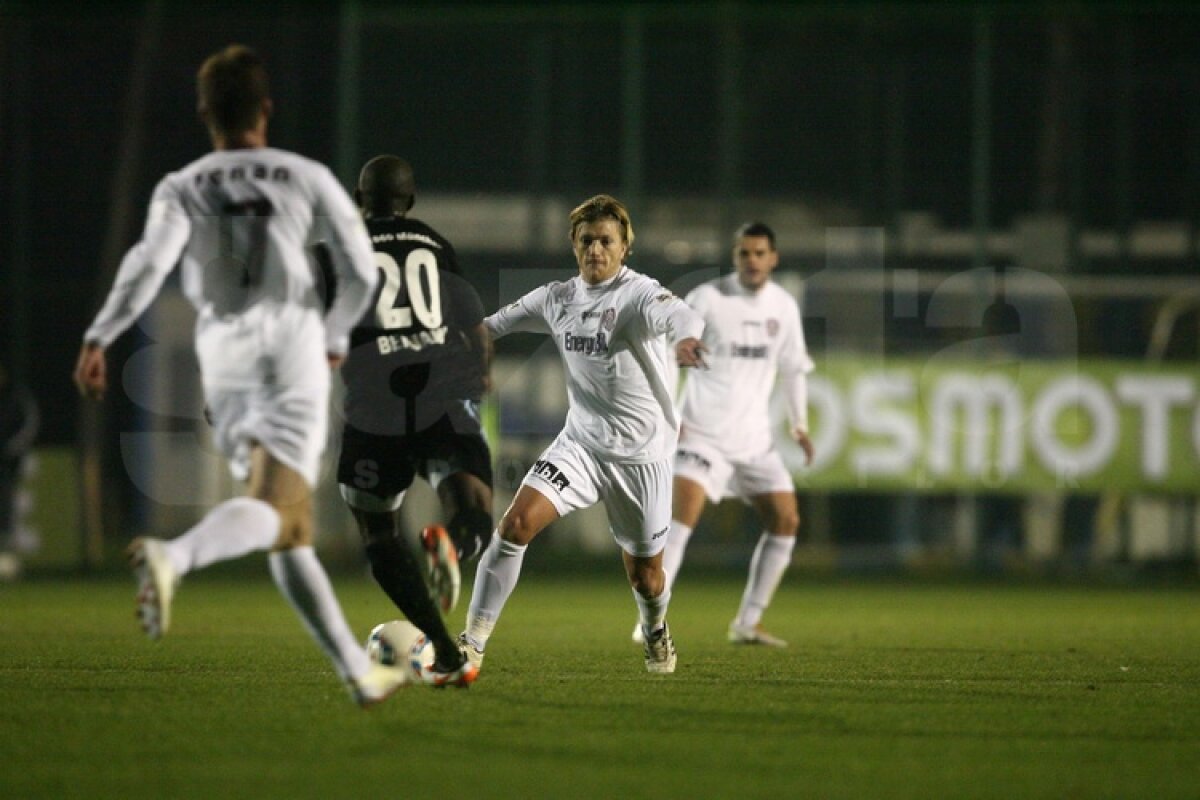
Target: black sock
402,578
471,531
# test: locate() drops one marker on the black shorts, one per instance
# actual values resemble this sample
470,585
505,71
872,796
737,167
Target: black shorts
386,465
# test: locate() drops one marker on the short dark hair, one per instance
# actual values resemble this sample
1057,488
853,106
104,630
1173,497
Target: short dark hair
755,229
231,88
603,206
386,186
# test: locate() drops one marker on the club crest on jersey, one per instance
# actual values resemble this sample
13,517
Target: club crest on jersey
772,327
609,319
551,473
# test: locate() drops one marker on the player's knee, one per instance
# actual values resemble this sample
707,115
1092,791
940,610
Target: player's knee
294,532
517,527
647,580
786,524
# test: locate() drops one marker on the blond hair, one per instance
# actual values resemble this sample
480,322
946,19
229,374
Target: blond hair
603,206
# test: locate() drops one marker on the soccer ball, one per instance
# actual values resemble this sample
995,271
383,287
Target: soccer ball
399,643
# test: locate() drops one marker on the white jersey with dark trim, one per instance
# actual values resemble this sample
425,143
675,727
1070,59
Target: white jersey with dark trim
750,335
613,338
242,221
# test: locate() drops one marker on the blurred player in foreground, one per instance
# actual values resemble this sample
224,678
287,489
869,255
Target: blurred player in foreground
611,325
753,331
417,370
241,218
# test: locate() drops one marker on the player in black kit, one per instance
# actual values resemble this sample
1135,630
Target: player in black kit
417,370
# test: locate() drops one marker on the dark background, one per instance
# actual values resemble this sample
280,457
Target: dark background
867,111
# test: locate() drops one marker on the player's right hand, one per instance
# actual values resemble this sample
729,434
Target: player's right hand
690,352
91,371
801,438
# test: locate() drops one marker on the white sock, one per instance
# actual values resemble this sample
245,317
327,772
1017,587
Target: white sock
302,580
677,541
495,578
231,530
771,558
652,611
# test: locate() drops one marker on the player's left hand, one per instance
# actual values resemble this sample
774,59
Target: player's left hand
335,361
91,371
801,437
690,353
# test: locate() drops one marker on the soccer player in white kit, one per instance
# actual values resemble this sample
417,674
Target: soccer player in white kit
753,332
240,218
612,327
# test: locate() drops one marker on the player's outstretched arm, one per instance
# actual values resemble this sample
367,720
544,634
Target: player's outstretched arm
91,371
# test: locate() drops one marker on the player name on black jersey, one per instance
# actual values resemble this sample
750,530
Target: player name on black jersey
404,236
392,343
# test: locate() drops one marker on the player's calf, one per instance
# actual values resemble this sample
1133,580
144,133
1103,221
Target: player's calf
471,531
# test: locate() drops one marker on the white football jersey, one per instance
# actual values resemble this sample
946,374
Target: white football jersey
750,337
613,338
242,221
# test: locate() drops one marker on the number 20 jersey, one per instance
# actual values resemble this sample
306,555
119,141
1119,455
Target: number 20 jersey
411,360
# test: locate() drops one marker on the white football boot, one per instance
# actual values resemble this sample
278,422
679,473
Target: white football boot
380,683
753,634
473,655
638,636
660,652
156,585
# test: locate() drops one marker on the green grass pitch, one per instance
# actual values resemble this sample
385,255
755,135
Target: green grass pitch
889,689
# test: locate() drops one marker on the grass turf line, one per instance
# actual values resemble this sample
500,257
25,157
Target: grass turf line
888,690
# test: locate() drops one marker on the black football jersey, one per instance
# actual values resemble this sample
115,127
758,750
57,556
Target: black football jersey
410,357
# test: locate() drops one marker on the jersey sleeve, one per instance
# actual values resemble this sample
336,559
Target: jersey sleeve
794,366
341,228
145,266
527,314
793,354
668,315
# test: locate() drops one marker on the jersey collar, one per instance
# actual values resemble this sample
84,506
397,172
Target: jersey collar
736,288
593,287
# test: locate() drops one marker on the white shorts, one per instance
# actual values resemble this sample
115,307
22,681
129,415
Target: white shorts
637,497
266,381
701,461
